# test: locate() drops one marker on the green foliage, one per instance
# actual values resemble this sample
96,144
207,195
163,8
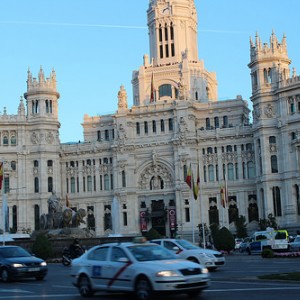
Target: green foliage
241,227
152,234
267,253
214,228
42,247
270,222
224,240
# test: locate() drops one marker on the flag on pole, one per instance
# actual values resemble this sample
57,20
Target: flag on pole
223,196
67,201
196,185
152,91
5,214
188,178
1,175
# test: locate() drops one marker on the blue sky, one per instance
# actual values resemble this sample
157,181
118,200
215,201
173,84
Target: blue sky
94,45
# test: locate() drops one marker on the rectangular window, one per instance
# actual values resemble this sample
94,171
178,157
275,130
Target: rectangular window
106,135
83,182
98,135
154,126
170,124
125,222
146,127
162,125
138,130
187,214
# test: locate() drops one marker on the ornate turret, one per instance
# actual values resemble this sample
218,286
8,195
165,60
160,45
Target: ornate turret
269,64
42,96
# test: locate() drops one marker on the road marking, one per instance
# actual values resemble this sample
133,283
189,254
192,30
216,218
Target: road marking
252,289
38,296
14,291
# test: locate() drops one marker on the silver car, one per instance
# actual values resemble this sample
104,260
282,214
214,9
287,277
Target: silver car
142,268
295,245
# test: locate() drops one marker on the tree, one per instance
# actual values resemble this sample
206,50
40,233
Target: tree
241,227
224,240
42,247
269,222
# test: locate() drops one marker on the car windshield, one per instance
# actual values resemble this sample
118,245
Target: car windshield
150,252
9,252
186,245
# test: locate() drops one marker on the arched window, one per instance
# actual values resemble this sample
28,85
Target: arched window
165,90
123,179
230,171
50,184
5,140
217,123
211,175
89,183
184,172
249,146
225,121
228,148
36,185
13,140
36,217
251,169
274,164
277,201
209,150
207,123
106,182
72,184
15,218
272,140
13,165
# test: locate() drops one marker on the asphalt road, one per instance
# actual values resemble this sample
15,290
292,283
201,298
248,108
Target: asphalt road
235,281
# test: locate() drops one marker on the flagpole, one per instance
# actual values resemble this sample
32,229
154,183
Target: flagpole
4,202
193,214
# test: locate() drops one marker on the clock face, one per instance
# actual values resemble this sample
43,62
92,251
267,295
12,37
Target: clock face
165,10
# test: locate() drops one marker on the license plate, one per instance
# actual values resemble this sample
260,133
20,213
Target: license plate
33,269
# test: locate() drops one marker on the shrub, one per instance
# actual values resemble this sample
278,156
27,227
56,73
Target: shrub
42,247
267,253
152,234
224,240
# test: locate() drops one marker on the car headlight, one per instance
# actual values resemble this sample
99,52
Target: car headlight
204,271
43,264
17,265
167,274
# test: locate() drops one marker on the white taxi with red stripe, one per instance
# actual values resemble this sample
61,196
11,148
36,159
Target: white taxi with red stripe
142,268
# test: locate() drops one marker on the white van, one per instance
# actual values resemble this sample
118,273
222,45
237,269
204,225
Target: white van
277,240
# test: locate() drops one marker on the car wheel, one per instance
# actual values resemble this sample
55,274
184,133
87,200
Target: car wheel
5,275
143,289
194,293
84,286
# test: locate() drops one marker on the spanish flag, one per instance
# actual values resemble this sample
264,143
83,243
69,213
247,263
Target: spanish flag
67,201
188,178
196,185
1,175
152,91
223,193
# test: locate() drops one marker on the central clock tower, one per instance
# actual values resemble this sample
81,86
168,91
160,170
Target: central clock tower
172,30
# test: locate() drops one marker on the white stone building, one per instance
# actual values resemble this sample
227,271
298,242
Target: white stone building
141,154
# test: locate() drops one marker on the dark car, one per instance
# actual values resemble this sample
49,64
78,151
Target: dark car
17,263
